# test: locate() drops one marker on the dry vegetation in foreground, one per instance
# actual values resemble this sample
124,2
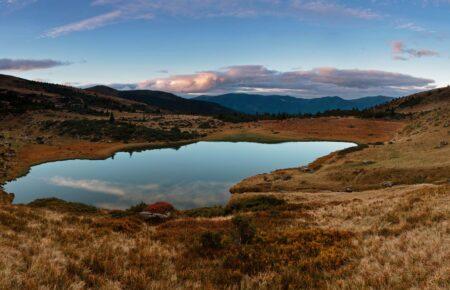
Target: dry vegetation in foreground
386,239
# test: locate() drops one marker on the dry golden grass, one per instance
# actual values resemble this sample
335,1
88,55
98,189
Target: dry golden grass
414,155
384,239
326,128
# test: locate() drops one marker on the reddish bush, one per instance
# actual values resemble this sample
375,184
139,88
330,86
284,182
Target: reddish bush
160,207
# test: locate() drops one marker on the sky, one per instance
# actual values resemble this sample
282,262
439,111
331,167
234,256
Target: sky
303,48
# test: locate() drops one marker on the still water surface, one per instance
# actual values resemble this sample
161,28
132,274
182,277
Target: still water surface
190,176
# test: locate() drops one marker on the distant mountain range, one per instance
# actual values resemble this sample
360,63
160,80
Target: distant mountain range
165,101
274,104
45,95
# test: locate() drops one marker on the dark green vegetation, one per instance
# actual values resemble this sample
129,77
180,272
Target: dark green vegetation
260,202
255,203
165,101
367,113
18,96
63,206
96,130
262,104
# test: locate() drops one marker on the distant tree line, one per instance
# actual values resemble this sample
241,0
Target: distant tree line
367,113
96,130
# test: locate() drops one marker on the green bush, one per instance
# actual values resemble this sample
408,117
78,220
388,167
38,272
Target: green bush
211,240
245,229
206,212
63,206
257,203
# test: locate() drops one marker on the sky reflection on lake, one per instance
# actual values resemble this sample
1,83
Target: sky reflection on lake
191,176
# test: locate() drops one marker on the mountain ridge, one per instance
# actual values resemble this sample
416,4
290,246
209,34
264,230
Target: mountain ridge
165,101
254,103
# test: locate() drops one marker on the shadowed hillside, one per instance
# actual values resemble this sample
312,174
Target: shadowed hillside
252,104
166,101
19,95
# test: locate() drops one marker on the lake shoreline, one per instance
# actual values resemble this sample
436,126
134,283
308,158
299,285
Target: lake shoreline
164,166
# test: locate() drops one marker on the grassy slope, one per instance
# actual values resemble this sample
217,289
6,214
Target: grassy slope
414,155
396,238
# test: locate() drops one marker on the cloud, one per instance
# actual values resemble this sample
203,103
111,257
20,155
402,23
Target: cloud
328,8
182,195
87,24
7,64
307,83
122,10
15,4
401,52
89,185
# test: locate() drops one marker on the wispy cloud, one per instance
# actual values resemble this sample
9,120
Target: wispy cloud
87,24
307,83
123,10
15,4
8,64
329,8
401,52
89,185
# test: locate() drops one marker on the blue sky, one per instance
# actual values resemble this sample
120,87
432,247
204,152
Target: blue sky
305,48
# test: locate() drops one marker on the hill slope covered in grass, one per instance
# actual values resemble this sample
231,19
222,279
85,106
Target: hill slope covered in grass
252,104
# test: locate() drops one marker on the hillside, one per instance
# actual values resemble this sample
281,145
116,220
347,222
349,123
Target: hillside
417,153
252,104
165,101
19,96
420,102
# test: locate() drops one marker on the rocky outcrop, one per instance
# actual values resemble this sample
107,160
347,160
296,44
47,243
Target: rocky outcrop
158,211
6,198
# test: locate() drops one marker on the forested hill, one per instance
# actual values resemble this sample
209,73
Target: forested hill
274,104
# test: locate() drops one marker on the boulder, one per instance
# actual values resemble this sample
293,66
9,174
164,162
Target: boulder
387,184
158,210
306,169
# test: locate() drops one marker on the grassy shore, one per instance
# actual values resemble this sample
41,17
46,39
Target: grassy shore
397,239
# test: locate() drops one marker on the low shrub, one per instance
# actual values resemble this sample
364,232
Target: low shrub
211,240
206,212
245,229
257,203
137,208
160,208
63,206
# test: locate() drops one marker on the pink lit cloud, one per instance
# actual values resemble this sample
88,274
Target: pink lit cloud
308,83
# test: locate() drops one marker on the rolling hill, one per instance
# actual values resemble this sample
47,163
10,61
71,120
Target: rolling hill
165,101
20,95
252,104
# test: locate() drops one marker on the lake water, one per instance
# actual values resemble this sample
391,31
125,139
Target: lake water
190,176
